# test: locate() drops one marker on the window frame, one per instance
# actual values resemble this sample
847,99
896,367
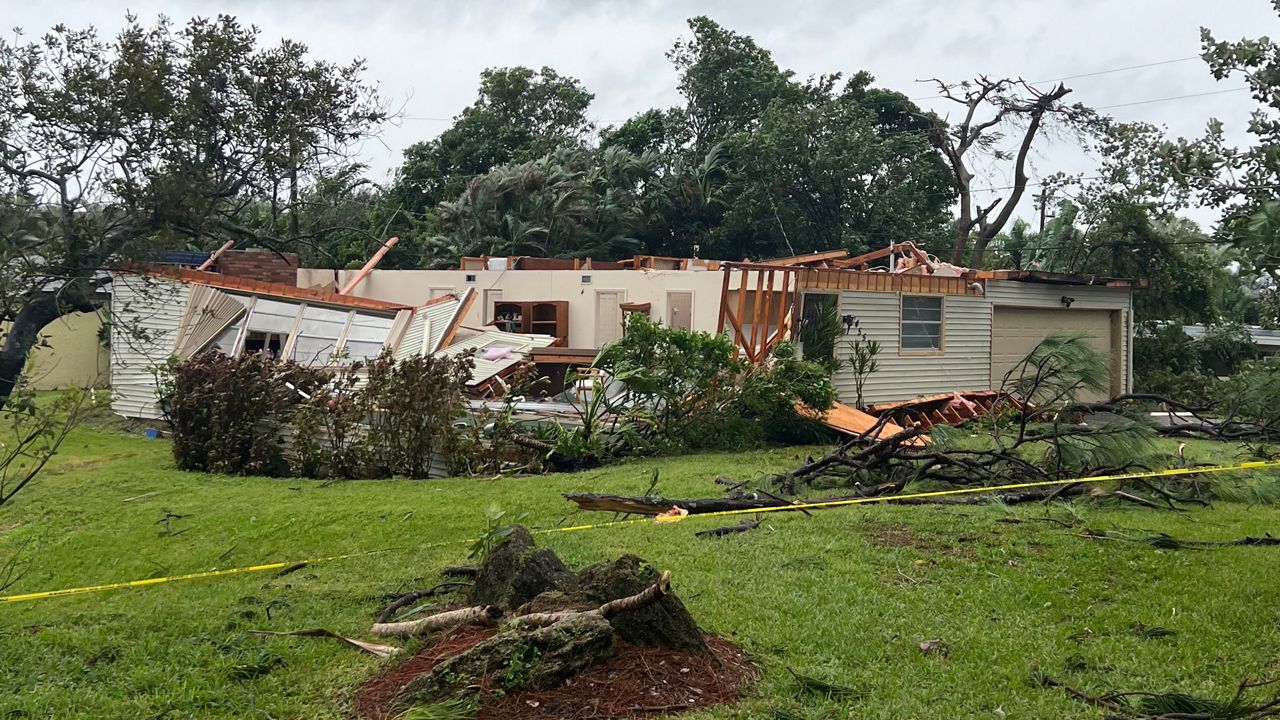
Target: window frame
942,326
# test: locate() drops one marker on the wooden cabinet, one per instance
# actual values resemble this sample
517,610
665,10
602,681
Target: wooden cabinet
537,317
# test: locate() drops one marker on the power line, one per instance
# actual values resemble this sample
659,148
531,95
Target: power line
1119,69
1175,97
1034,82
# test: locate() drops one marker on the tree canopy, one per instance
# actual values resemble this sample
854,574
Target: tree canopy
163,136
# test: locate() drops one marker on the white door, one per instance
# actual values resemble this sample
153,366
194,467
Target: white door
490,297
608,317
680,309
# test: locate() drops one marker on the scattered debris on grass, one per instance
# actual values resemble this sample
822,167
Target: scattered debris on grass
1168,542
743,526
806,684
1140,705
935,647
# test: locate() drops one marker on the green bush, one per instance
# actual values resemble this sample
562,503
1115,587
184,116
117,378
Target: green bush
228,414
690,392
385,418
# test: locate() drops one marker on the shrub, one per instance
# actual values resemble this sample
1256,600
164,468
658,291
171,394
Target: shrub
690,392
228,413
385,418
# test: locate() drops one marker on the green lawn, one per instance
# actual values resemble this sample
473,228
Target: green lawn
846,595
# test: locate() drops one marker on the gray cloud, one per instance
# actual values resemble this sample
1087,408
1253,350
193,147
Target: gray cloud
426,56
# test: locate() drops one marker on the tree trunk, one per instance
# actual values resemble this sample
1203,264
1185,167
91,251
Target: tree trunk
22,336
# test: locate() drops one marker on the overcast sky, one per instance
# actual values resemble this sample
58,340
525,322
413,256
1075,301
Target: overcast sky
426,56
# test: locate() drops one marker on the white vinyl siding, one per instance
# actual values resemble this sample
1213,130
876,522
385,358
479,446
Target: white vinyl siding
145,314
963,364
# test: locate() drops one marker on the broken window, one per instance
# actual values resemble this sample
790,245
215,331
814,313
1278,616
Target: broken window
261,342
921,323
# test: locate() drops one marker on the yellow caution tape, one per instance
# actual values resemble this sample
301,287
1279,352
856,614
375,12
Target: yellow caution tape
933,494
661,519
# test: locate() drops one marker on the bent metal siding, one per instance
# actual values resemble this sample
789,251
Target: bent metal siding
964,363
145,316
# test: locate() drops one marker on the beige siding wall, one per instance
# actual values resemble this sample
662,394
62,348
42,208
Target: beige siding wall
1018,294
71,354
963,364
145,316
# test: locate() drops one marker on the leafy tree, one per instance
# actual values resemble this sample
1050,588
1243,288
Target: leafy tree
163,136
781,166
520,115
571,203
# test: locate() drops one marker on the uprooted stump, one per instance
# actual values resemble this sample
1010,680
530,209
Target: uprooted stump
516,572
553,626
538,659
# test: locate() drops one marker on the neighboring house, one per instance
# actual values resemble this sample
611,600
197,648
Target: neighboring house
179,312
1266,341
72,353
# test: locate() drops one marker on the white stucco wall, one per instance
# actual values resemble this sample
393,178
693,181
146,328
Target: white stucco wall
413,287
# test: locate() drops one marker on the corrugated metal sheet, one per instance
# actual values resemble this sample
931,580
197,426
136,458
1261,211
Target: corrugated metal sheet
145,317
1021,294
485,369
963,364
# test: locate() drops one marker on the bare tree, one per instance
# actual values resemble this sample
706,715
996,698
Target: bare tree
993,108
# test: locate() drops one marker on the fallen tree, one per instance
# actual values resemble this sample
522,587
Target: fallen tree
1046,437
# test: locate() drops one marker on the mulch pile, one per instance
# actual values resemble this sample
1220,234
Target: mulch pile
636,682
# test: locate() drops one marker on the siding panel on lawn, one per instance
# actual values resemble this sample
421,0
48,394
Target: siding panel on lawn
146,313
963,364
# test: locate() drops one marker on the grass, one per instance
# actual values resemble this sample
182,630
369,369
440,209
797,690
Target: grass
845,596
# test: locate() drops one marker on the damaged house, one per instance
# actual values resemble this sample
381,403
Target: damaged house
176,313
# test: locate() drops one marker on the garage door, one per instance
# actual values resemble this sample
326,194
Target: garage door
1016,331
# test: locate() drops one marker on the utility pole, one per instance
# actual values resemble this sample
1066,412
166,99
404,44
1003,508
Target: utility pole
1043,201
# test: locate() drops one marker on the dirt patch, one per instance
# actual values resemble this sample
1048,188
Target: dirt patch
900,536
636,682
896,535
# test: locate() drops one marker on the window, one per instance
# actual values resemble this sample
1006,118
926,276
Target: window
262,342
921,323
366,336
318,334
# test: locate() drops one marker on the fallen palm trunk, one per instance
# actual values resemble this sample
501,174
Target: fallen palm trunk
480,615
